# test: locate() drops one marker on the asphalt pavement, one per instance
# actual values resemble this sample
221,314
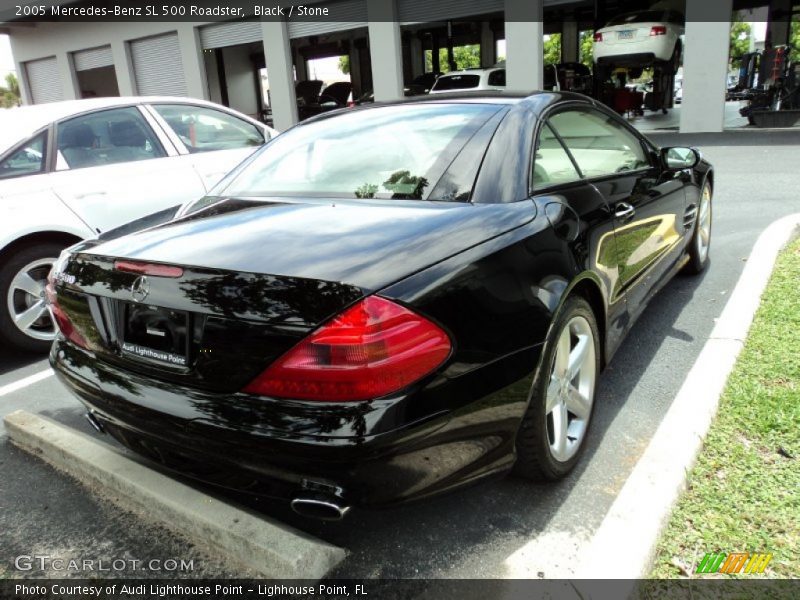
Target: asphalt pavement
507,527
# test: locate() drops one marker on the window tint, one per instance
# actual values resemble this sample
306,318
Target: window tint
26,160
497,78
551,164
388,152
205,129
105,138
599,144
456,82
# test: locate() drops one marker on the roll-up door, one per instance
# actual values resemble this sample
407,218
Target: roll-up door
220,35
94,58
342,15
424,11
43,80
157,66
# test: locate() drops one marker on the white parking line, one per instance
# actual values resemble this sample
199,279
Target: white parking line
25,382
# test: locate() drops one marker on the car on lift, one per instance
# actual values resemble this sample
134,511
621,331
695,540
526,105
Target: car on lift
477,79
638,39
385,303
72,170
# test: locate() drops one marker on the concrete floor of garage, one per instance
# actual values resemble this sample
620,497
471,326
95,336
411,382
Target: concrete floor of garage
502,528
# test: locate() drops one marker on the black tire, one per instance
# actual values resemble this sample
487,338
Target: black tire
10,334
698,259
535,459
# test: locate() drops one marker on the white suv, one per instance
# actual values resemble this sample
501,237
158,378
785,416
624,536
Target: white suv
640,38
470,79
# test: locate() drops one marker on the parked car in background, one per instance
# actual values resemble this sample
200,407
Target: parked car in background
493,78
313,99
386,303
419,86
72,170
639,38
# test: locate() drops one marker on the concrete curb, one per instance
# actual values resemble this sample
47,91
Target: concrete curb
269,548
633,524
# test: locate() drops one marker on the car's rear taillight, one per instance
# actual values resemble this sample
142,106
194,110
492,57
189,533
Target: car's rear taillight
374,348
658,30
598,37
60,318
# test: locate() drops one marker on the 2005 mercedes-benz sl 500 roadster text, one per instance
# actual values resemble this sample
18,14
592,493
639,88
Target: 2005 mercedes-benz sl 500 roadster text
384,303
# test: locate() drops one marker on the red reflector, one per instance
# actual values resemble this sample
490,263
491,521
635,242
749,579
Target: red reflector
148,269
372,349
598,37
658,30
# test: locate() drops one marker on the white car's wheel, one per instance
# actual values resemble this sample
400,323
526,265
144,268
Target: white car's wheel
25,321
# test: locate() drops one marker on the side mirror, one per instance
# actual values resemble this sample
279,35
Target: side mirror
678,158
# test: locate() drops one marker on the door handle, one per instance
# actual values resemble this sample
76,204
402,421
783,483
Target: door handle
623,210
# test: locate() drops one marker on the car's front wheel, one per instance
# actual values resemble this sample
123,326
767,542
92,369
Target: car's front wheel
701,238
25,322
553,432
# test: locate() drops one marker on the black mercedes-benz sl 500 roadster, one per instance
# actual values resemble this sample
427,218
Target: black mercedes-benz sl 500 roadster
384,302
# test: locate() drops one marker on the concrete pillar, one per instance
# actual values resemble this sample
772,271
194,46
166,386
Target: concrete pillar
488,54
194,68
69,81
355,71
779,24
705,65
278,55
417,56
123,67
385,50
569,41
300,66
524,45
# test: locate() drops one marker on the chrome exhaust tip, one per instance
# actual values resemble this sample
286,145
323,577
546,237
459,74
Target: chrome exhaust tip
324,508
94,422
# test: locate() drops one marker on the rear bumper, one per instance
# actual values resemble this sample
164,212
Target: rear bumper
367,454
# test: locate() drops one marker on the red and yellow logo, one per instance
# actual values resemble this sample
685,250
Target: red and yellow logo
737,562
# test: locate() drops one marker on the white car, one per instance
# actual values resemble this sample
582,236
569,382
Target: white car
640,38
73,170
493,78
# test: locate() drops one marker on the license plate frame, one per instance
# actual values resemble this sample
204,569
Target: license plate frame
154,341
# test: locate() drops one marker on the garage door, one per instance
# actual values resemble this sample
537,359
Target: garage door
157,66
94,58
344,14
43,80
424,11
220,35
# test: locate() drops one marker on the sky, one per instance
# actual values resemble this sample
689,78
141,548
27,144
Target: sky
6,60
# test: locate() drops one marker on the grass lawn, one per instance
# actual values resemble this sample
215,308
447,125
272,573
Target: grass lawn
744,491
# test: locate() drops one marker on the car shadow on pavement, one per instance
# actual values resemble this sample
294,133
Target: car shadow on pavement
470,533
16,359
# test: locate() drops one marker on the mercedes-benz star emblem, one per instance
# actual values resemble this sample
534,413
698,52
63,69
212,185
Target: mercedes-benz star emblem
140,289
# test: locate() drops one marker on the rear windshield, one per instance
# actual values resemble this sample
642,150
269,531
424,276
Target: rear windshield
391,152
645,16
457,82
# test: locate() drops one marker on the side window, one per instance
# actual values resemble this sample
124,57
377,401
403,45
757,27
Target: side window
205,129
105,138
551,163
599,144
497,78
28,159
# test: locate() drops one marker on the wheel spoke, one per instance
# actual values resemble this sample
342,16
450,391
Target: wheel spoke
551,401
577,404
27,284
577,357
704,235
28,317
562,354
560,423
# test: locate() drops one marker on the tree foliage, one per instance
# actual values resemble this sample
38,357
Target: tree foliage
465,57
344,64
9,94
585,52
552,49
740,39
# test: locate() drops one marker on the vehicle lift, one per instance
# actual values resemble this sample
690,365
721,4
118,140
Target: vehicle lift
774,99
610,80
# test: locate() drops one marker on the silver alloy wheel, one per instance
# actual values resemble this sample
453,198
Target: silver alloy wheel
26,300
703,238
570,393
